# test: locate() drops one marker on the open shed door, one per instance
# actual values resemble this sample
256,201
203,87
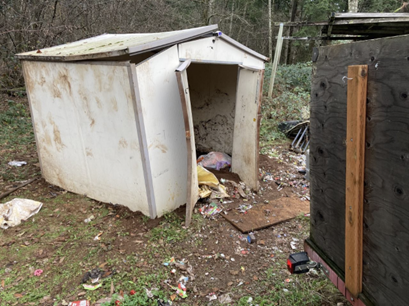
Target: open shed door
192,180
246,125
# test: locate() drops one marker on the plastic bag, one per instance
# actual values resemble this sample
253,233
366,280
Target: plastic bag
214,160
17,210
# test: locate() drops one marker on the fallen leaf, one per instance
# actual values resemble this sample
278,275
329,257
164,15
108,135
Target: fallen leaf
232,272
62,259
18,295
255,277
229,283
112,288
81,293
2,283
173,296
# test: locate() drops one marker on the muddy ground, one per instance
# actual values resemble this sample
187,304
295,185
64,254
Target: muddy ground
132,248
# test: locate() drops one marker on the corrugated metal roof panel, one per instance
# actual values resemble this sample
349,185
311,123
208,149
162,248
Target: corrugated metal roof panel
109,45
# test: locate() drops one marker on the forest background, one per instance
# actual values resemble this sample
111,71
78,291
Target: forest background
34,24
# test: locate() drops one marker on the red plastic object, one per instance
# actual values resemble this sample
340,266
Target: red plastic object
132,292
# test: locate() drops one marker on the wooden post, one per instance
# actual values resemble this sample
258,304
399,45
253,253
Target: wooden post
355,165
277,55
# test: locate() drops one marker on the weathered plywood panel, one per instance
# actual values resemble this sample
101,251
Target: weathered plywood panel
214,49
245,143
213,96
386,209
165,131
192,177
85,128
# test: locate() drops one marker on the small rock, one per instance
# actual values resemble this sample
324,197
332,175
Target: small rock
232,272
229,284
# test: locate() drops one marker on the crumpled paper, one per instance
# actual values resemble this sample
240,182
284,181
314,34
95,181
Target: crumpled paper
17,210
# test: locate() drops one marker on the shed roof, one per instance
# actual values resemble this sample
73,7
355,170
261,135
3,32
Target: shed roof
110,45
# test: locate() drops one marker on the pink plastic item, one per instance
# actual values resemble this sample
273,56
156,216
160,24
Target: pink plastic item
38,272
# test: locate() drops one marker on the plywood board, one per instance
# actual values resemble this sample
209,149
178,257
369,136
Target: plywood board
256,218
355,162
84,122
386,210
165,130
245,137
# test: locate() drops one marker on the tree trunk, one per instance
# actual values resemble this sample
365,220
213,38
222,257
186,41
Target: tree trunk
231,19
270,32
287,54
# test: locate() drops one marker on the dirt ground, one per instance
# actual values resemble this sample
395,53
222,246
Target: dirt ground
223,268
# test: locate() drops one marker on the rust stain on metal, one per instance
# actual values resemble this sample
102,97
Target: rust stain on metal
123,143
63,79
88,152
59,145
98,101
162,147
114,104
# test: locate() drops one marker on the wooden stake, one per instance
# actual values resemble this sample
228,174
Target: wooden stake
277,56
5,194
355,165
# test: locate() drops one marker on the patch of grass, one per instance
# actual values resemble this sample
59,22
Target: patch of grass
16,136
169,230
290,100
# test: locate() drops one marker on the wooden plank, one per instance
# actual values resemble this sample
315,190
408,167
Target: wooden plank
370,15
5,194
192,180
276,61
355,161
282,209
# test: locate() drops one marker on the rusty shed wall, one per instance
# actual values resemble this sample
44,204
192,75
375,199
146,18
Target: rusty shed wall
213,96
84,122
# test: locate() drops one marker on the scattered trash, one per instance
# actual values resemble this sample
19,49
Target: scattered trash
209,185
98,237
16,163
210,210
163,303
214,160
211,296
38,272
17,210
95,275
285,290
91,287
250,300
89,219
79,303
251,238
243,208
225,299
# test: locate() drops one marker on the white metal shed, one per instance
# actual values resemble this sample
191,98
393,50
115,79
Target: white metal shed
119,117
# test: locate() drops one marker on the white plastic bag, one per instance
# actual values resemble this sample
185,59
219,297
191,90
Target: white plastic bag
17,210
